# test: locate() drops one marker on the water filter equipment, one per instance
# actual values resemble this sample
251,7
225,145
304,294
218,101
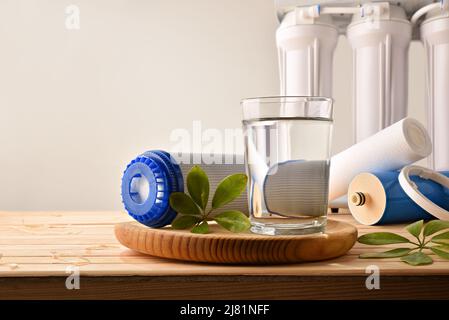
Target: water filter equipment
379,198
435,36
380,62
150,178
396,146
306,46
379,33
306,43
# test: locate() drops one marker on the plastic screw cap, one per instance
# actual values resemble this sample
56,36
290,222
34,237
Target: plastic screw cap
147,183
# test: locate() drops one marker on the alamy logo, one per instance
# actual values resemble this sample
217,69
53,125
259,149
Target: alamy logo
211,142
73,280
373,280
72,19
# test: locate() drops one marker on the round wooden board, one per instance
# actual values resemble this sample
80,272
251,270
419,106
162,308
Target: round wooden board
221,246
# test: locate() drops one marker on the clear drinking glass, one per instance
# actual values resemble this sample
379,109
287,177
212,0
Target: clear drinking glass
287,157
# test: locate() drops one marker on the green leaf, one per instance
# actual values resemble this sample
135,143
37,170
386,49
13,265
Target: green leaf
203,227
229,189
380,238
415,228
184,222
399,252
417,259
440,253
198,186
444,247
442,238
434,226
234,221
182,203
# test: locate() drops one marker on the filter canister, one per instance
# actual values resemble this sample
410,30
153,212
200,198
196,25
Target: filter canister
150,178
305,52
435,37
380,58
378,198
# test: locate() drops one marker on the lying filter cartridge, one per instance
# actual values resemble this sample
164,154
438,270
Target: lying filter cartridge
150,178
297,188
378,198
401,144
339,203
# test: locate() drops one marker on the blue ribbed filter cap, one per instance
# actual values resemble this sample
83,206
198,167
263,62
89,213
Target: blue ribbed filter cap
147,184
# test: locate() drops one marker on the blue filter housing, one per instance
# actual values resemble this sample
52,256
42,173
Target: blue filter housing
149,179
377,198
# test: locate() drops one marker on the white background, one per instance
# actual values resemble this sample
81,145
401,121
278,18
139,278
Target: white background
77,105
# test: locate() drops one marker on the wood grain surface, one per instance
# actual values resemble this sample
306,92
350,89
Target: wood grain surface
221,246
36,248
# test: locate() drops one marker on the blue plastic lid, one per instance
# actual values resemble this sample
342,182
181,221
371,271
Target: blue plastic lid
147,184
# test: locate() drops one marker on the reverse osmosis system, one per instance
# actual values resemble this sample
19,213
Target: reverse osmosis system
379,33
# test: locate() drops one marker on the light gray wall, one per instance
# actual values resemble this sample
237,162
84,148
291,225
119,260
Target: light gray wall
77,105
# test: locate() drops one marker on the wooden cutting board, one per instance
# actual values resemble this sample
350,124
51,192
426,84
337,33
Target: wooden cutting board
221,246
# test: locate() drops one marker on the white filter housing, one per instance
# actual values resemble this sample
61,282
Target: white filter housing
435,36
306,49
380,70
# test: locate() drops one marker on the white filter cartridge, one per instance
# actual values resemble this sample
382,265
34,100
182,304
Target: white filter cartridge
380,64
306,51
401,144
435,36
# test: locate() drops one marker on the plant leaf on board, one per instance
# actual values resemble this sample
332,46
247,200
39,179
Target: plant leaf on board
440,253
198,186
185,221
442,238
229,189
202,228
415,228
234,221
434,226
417,259
183,203
191,207
381,238
394,253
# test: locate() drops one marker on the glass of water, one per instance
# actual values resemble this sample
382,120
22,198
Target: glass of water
287,156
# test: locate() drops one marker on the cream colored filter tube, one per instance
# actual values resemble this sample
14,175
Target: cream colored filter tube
398,145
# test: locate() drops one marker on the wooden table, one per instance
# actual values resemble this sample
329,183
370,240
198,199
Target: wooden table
36,248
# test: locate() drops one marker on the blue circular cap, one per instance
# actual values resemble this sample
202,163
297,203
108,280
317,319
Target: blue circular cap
147,184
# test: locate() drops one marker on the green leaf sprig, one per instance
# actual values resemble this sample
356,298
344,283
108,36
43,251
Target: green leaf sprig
421,248
192,208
